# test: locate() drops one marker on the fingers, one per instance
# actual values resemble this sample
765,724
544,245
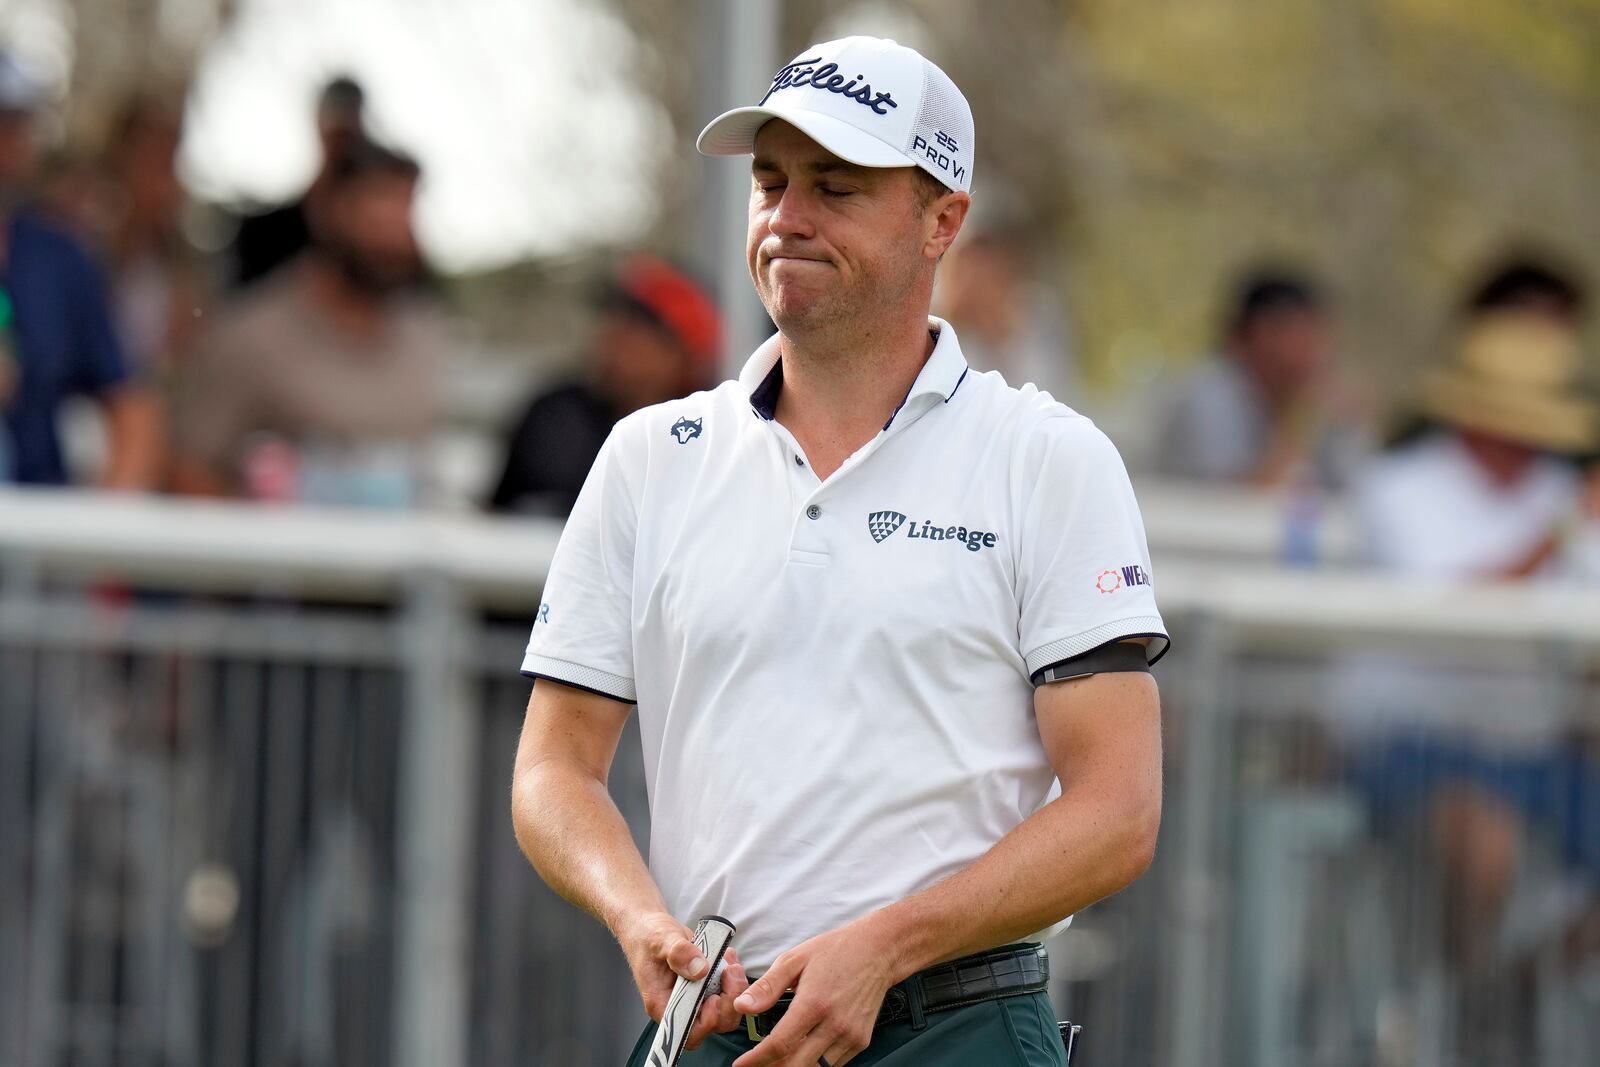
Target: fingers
734,982
788,1039
802,1045
765,991
717,1014
705,1023
839,1053
660,950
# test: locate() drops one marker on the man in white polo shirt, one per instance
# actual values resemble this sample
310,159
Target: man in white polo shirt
871,606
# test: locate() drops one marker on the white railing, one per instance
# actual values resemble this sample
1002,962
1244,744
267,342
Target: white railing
1220,590
1213,553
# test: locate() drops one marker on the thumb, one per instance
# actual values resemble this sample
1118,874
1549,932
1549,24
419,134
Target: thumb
765,991
682,955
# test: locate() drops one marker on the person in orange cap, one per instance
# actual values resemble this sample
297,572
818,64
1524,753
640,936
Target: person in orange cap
657,339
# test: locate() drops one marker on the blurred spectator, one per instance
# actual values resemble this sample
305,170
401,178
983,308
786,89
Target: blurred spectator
323,384
1541,285
1491,490
1269,411
56,334
1007,320
154,274
270,239
656,339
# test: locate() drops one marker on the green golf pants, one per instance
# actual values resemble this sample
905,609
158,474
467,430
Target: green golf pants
1012,1032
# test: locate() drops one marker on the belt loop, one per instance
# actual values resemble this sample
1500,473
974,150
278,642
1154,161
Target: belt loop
914,1002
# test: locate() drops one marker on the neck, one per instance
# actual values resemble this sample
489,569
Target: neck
839,390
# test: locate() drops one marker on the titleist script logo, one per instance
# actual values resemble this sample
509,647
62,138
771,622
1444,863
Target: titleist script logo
804,72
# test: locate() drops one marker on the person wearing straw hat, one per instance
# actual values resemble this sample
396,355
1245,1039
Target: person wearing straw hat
872,605
1493,490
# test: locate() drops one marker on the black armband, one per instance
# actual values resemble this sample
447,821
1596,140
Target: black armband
1116,657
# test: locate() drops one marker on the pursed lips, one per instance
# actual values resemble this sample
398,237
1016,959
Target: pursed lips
796,259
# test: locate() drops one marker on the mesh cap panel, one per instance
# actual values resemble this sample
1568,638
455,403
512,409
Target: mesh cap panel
942,133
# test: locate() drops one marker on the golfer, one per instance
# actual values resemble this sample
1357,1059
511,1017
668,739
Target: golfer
887,622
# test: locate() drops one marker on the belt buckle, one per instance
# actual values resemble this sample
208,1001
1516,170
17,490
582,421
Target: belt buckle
751,1031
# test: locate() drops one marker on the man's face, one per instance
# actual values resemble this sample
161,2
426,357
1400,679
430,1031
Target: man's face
1286,349
370,227
337,125
635,363
829,240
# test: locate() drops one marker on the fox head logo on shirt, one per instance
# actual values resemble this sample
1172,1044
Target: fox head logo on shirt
686,430
884,524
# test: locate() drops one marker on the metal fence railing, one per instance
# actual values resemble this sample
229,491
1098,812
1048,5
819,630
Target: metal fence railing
1378,846
254,773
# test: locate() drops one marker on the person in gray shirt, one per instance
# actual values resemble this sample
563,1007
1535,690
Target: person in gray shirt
1267,410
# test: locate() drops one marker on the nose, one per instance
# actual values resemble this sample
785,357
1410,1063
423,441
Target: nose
791,216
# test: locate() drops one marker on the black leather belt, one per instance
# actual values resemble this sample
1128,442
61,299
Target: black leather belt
1010,971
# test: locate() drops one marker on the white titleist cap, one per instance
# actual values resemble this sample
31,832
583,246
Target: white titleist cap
868,101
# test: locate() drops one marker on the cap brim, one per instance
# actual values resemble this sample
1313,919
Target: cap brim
733,133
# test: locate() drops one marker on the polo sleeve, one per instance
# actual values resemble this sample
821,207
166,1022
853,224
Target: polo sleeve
583,632
1083,571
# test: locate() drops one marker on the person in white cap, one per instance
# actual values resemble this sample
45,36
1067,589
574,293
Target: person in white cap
872,607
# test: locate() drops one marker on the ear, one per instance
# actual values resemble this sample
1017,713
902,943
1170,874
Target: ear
943,221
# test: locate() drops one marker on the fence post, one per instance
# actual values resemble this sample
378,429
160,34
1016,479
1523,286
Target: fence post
28,1016
438,759
1197,996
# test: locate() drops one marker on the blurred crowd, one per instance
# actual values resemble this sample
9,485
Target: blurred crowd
306,361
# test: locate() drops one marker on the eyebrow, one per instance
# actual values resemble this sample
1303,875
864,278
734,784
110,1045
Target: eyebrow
827,166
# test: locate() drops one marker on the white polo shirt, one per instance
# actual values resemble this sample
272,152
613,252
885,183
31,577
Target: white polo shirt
833,678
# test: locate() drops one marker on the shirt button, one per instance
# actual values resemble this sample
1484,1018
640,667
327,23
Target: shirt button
813,512
798,462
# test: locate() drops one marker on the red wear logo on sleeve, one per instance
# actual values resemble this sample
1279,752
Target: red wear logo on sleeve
1112,580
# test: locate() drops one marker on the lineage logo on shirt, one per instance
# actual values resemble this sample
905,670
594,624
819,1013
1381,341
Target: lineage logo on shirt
884,524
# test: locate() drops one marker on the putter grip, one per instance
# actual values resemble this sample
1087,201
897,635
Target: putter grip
1069,1038
712,935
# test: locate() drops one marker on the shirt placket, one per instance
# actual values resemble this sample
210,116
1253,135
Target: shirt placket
809,497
